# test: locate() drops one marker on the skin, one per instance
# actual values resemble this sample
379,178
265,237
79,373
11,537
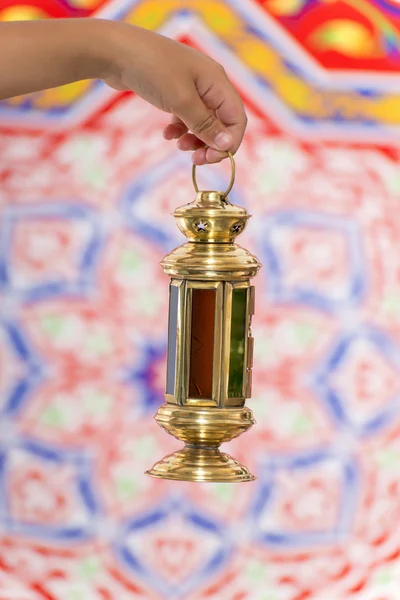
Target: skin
207,114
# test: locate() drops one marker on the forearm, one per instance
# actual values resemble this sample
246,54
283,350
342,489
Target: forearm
37,55
208,116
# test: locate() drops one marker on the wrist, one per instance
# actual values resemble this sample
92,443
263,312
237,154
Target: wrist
98,54
107,45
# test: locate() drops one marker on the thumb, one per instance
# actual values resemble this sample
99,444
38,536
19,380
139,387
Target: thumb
204,124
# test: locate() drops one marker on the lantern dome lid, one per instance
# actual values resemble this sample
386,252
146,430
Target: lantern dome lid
211,218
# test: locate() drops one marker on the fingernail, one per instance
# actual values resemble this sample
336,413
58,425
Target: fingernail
223,140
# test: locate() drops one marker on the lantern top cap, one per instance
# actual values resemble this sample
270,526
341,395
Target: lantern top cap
211,218
212,223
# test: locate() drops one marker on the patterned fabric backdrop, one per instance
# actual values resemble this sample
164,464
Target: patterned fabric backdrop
87,189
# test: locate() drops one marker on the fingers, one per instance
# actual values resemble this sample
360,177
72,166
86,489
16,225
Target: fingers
214,113
203,122
188,141
206,156
199,157
221,97
175,129
213,156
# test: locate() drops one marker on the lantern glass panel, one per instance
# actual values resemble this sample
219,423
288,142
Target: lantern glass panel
202,343
238,336
172,333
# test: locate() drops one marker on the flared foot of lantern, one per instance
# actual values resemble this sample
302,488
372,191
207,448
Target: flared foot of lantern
201,465
203,430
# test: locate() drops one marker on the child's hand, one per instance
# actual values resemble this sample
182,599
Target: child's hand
38,55
181,81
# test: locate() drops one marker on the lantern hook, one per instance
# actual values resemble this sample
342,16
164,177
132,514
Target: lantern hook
230,186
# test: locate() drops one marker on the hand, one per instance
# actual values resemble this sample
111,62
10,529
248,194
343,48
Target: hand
206,109
38,55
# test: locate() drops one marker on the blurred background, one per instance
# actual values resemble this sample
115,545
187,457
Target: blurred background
87,189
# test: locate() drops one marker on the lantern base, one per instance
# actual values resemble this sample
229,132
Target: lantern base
200,464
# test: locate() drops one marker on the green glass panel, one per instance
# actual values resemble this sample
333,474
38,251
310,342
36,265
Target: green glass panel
238,337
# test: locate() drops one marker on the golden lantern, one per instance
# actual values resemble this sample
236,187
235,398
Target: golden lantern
210,345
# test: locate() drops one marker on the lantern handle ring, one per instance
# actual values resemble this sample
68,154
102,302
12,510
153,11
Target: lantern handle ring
232,181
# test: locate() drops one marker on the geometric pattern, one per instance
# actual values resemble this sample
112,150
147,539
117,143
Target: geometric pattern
369,363
87,191
332,273
68,232
323,512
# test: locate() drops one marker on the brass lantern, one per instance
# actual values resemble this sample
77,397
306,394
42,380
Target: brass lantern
210,345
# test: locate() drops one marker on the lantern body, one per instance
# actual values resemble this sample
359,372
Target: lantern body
210,345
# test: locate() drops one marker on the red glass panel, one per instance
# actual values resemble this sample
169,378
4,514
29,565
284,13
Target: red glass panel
202,344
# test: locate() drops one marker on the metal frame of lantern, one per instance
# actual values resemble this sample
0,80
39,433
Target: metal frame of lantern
210,345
